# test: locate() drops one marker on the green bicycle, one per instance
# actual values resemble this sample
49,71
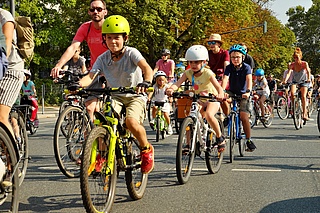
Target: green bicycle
109,149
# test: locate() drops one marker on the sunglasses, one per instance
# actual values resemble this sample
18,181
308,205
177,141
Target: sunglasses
99,9
211,42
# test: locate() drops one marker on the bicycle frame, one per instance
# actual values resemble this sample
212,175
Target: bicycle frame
234,111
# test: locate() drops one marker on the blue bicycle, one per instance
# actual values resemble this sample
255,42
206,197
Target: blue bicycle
235,129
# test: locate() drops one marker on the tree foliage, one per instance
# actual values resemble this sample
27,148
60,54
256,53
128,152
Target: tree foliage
305,25
173,24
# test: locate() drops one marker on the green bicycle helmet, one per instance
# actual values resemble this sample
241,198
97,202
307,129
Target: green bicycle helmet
237,48
115,24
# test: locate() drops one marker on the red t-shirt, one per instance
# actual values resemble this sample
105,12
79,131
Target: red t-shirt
93,37
216,61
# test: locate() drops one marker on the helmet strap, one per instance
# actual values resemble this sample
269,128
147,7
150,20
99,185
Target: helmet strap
199,69
118,53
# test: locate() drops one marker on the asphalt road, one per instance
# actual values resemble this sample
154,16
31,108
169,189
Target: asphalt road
282,175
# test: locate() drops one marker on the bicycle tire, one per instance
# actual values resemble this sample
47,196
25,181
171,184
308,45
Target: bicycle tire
11,199
23,149
135,180
253,117
184,160
241,141
63,106
282,108
68,149
268,110
149,113
97,189
213,157
297,113
232,139
158,131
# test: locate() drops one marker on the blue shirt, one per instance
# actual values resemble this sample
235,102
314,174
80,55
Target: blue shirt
237,78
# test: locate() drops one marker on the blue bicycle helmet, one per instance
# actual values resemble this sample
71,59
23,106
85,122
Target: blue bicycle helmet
237,48
259,72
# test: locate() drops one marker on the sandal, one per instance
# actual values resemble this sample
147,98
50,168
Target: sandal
222,146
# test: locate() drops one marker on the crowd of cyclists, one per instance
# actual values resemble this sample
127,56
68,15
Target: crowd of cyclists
209,70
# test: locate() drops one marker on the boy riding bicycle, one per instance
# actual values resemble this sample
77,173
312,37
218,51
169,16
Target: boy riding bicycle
261,89
124,66
159,95
203,82
239,75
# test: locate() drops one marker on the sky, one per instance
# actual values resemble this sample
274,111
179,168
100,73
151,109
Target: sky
280,7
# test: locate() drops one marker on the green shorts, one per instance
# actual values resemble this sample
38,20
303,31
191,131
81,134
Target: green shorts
135,107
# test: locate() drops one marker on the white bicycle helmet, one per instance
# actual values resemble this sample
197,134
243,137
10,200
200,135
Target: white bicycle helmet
197,53
160,73
27,72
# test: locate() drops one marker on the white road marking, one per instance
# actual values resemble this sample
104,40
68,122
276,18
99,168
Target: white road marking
256,170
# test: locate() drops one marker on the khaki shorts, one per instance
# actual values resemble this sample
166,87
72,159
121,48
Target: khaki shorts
246,105
135,107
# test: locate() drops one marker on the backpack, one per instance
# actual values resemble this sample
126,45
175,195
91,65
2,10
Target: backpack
25,43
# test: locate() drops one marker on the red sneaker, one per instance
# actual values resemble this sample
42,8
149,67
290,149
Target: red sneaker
147,160
100,161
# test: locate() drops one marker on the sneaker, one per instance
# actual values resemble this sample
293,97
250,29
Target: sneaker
250,146
170,132
100,162
152,121
6,184
147,159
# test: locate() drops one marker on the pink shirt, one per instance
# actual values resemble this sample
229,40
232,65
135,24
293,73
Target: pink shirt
93,37
166,66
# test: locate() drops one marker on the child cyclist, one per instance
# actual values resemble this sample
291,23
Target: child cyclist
124,66
159,95
239,75
203,82
262,88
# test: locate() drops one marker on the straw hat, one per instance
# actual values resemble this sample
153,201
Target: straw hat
215,37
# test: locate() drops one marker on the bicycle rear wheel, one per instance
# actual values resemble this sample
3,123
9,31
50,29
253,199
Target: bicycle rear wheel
23,149
97,188
282,108
68,148
268,112
9,197
185,151
135,180
212,156
232,138
297,113
242,140
253,117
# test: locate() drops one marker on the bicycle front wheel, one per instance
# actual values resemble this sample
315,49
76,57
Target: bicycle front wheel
97,188
297,113
136,181
282,108
71,130
212,156
185,150
9,197
232,138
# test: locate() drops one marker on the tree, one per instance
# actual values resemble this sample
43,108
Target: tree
305,24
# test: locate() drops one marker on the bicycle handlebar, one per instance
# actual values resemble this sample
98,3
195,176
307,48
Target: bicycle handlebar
195,96
110,90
